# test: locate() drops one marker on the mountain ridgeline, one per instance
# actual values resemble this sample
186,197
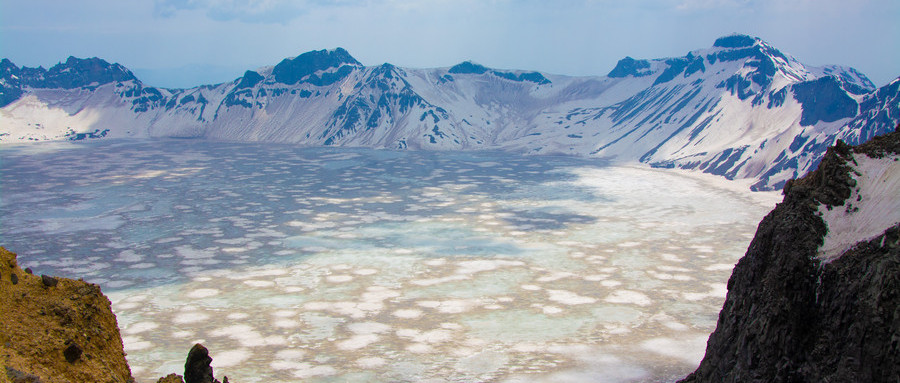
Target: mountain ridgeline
740,109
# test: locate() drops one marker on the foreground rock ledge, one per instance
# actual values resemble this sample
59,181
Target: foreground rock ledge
60,330
56,329
790,316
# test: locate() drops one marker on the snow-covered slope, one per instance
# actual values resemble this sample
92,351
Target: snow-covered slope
873,206
740,109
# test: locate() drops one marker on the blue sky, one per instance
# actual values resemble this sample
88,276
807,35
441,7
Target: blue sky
181,43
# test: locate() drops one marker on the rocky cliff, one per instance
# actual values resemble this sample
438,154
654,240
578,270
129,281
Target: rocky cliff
61,330
56,329
816,298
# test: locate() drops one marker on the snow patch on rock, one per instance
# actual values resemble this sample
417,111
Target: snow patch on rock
873,206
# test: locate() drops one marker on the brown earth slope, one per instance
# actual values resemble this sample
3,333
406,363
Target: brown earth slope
56,330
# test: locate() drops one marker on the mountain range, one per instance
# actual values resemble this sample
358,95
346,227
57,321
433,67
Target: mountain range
741,109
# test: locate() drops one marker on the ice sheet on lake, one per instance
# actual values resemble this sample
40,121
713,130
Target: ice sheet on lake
364,265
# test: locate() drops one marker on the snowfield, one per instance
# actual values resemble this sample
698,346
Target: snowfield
873,206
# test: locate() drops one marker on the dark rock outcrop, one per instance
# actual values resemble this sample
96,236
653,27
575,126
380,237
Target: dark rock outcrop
171,378
49,281
316,67
197,368
74,73
72,353
790,316
468,67
630,67
16,376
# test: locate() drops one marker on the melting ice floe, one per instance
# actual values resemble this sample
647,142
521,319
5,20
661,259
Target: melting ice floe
363,265
873,206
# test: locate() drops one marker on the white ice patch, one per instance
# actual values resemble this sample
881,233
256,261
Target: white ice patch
129,256
569,298
230,358
408,313
190,317
688,349
550,310
717,290
873,206
434,336
437,281
357,342
370,362
248,336
339,278
259,283
365,328
628,297
203,293
140,327
719,267
455,306
610,283
308,371
285,323
290,359
135,343
472,267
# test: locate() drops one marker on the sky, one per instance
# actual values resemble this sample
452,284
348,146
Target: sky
184,43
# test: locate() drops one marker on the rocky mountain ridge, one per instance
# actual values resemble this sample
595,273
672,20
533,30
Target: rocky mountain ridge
739,109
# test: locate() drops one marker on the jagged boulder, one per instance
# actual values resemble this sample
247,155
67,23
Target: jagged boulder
797,314
197,368
171,378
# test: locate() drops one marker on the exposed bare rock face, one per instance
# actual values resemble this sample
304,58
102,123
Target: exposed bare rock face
197,367
796,314
56,329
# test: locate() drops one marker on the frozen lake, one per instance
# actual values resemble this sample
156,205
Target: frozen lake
356,265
